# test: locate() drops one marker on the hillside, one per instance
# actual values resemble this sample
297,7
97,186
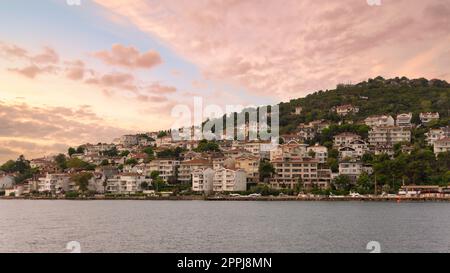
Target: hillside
373,97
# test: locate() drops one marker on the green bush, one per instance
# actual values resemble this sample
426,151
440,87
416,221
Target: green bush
72,194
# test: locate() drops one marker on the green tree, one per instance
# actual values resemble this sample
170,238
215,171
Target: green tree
71,151
78,164
61,161
343,182
144,185
266,170
82,180
131,161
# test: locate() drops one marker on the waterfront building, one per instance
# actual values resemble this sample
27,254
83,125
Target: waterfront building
352,169
289,173
55,183
126,183
250,164
229,180
203,180
167,168
187,168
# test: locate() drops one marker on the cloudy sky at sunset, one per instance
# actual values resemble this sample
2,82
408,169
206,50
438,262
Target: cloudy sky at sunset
89,73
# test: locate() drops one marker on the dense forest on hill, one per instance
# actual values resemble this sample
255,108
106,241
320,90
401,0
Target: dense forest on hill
373,97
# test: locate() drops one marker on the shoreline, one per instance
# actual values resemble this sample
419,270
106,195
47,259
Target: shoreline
262,198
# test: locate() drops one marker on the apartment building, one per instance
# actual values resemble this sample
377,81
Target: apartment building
126,183
188,167
250,164
229,180
352,169
291,172
167,169
389,135
203,180
55,183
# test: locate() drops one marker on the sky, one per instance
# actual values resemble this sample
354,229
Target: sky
72,74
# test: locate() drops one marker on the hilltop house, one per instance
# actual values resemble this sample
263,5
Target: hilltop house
428,116
436,134
343,110
344,139
383,120
442,145
404,120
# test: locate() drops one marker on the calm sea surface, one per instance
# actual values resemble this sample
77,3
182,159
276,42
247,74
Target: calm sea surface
199,226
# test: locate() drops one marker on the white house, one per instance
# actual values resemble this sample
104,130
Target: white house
126,183
6,181
55,183
320,152
428,116
229,180
435,134
389,135
345,139
202,180
352,169
404,119
344,110
442,145
383,120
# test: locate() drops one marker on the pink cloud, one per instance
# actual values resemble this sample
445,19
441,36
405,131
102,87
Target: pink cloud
75,70
32,71
289,49
157,88
129,57
48,56
115,80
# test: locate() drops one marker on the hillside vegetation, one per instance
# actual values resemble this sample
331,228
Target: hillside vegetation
373,97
